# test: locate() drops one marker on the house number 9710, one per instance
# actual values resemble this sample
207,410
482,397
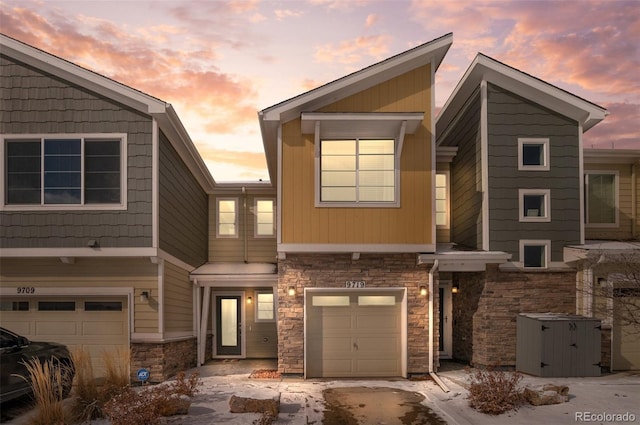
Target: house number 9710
356,284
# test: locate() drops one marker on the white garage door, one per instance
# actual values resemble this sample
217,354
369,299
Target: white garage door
354,334
97,324
626,338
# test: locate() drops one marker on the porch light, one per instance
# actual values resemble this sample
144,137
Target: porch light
144,296
292,291
423,291
455,288
249,300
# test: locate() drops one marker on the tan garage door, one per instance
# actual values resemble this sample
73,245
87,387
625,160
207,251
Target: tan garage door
626,339
97,324
354,334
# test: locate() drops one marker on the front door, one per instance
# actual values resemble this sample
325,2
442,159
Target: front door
228,325
445,327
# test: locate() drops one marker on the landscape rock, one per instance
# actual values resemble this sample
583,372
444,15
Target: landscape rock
264,402
543,395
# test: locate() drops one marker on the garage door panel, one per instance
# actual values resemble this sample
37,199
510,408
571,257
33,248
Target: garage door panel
379,344
384,323
56,329
377,367
103,328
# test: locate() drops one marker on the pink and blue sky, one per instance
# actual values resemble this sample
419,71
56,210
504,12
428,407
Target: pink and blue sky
219,62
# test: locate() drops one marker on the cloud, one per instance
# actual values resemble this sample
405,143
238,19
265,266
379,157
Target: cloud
340,5
619,130
282,14
372,19
254,161
352,51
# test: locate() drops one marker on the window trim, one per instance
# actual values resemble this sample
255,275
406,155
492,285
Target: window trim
616,183
546,193
447,175
66,207
546,243
357,204
255,316
545,154
236,220
255,219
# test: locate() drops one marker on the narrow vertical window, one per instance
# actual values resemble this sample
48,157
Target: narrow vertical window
265,307
227,213
264,217
602,202
442,200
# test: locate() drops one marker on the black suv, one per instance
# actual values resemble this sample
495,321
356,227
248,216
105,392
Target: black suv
15,350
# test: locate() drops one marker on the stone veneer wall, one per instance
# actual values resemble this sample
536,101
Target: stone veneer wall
332,271
494,300
164,359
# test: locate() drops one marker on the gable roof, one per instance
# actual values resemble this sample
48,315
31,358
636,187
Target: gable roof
484,68
271,118
163,112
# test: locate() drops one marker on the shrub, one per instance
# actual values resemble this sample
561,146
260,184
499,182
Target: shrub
88,405
117,364
48,381
495,392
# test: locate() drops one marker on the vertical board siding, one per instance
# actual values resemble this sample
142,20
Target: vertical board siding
259,249
466,177
178,299
302,222
40,104
511,117
625,204
183,209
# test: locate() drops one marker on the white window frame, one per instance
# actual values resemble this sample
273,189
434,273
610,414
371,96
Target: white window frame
256,319
616,183
546,243
544,142
358,204
273,218
122,205
546,194
447,175
236,221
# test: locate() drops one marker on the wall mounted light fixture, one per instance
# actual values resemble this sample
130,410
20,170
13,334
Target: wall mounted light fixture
249,300
423,291
292,291
144,296
455,288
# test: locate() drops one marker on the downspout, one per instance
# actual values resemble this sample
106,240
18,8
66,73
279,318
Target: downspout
634,199
244,229
432,372
200,360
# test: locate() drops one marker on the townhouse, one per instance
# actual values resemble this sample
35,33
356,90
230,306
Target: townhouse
385,240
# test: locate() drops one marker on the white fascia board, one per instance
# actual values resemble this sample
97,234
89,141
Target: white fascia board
522,84
374,124
81,76
77,252
338,248
466,261
613,156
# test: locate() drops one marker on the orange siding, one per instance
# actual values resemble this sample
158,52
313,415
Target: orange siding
302,222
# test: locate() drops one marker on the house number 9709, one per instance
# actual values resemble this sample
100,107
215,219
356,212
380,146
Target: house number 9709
26,290
356,284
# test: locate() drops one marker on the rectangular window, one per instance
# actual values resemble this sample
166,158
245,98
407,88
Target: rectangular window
265,307
602,198
357,171
533,154
56,306
14,305
227,216
330,301
442,200
535,205
64,172
264,218
534,254
103,306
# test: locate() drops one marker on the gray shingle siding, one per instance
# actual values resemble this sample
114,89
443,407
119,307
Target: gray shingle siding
32,102
466,194
511,117
183,218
